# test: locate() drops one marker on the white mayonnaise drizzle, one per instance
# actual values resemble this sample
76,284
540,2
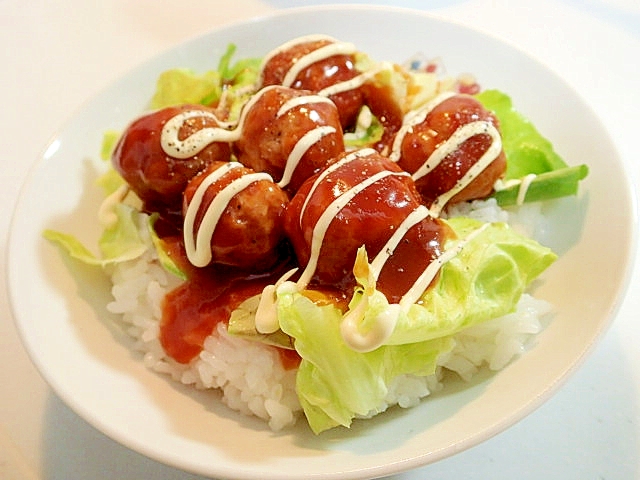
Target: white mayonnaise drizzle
427,276
301,147
198,141
525,183
415,217
290,44
381,329
322,53
462,134
523,186
106,213
365,152
267,312
323,223
453,143
198,244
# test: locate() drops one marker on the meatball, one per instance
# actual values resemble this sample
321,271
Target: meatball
362,199
442,148
159,174
316,63
233,216
290,134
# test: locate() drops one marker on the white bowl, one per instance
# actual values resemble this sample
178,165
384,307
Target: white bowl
59,306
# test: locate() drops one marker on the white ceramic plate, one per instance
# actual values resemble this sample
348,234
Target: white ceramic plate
59,305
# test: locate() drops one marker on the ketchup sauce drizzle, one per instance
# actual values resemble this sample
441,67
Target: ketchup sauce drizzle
192,310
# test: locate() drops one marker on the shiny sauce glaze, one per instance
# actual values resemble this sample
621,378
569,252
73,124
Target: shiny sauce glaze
362,199
232,216
329,202
452,148
321,64
290,134
159,175
191,311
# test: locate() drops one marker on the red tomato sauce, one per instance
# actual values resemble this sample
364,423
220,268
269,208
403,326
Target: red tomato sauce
192,311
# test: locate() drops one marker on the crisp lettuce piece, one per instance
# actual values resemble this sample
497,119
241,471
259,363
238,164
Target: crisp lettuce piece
181,85
526,149
334,382
163,256
544,186
243,72
485,280
529,152
73,247
109,141
110,181
242,323
368,130
119,242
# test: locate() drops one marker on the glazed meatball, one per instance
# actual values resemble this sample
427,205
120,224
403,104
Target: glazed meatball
290,134
448,140
233,216
159,176
375,197
315,63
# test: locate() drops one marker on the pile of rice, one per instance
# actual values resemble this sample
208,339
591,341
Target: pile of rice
250,375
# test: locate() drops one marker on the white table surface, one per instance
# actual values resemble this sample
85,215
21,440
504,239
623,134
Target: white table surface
56,55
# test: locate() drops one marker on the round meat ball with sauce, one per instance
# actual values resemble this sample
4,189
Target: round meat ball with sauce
290,134
374,198
233,216
445,142
159,177
315,63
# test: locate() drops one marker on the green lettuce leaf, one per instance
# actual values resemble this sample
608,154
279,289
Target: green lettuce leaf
181,85
119,242
334,382
529,152
544,186
163,256
485,280
368,130
243,72
109,141
242,323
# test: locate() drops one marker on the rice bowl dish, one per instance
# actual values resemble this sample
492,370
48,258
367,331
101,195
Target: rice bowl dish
468,410
230,294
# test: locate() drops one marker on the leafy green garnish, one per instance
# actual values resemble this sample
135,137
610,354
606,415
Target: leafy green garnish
119,242
181,85
528,152
485,280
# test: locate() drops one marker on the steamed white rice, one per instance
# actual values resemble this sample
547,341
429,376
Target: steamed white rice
250,376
